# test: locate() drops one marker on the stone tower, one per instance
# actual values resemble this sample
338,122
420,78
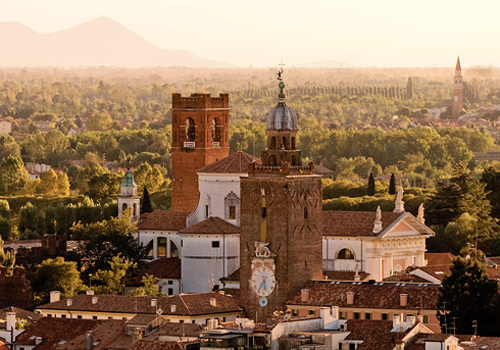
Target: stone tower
281,220
457,90
128,198
200,136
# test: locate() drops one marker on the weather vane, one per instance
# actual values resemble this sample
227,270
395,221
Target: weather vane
280,71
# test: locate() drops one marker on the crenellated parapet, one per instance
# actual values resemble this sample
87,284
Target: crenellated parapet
284,169
200,101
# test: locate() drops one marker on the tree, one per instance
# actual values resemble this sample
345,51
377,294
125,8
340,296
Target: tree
112,279
392,184
409,89
491,179
371,185
463,194
99,122
5,229
4,208
13,175
146,202
56,274
103,187
150,287
48,183
8,146
105,239
465,296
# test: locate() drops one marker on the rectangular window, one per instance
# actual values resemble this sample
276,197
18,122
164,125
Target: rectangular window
385,317
216,287
170,291
49,315
206,211
215,244
352,346
311,312
170,282
94,317
295,312
356,316
181,321
368,316
343,315
426,319
63,316
79,316
232,212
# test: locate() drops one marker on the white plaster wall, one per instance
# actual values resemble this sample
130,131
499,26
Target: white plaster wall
203,266
216,187
331,247
145,236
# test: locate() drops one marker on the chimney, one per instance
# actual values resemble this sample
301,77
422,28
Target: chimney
154,302
213,302
350,298
89,340
410,321
55,295
400,345
304,295
94,300
69,302
396,323
38,340
403,299
420,318
11,321
173,308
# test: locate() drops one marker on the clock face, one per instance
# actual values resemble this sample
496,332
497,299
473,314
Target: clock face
263,281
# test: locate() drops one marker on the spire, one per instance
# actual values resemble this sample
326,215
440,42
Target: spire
458,67
281,84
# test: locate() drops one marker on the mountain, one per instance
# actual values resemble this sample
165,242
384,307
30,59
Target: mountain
101,41
324,64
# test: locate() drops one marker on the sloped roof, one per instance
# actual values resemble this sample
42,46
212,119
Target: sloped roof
163,220
234,277
369,295
185,304
354,223
345,275
323,170
236,163
439,258
212,225
375,334
20,313
161,268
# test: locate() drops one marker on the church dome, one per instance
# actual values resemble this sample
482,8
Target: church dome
128,180
281,117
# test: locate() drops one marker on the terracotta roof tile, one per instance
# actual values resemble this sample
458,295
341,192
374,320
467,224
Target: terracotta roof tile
178,329
375,334
185,304
234,277
354,223
158,345
212,225
161,268
369,295
163,220
236,163
345,275
439,258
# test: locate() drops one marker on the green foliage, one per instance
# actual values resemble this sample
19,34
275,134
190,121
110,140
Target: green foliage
465,296
455,236
371,185
150,287
5,229
13,176
146,202
104,187
53,184
56,274
392,185
150,177
4,208
7,259
106,239
9,147
491,179
464,194
112,280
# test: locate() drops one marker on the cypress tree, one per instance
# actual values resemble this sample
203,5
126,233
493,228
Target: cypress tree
371,185
392,185
146,202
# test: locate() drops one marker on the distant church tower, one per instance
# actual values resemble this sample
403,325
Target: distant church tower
281,220
128,197
200,132
457,90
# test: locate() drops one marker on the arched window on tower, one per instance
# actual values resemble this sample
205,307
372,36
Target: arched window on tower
190,130
294,160
293,143
272,160
215,130
124,207
283,142
345,254
273,142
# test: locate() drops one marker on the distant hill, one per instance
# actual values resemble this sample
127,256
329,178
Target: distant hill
101,41
324,64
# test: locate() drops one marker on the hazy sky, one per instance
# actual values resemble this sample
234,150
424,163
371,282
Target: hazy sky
259,32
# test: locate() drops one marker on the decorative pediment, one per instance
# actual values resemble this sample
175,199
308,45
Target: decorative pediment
406,225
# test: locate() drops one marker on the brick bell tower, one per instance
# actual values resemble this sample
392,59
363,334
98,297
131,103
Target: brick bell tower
281,220
457,90
200,136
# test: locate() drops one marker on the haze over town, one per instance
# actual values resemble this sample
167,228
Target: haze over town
385,33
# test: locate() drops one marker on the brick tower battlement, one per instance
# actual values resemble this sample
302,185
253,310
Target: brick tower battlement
200,101
200,136
284,169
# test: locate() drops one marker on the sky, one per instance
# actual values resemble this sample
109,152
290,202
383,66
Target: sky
366,33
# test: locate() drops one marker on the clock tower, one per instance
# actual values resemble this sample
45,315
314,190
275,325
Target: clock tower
281,220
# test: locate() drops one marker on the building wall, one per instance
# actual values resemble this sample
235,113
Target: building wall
203,265
5,127
214,189
146,237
